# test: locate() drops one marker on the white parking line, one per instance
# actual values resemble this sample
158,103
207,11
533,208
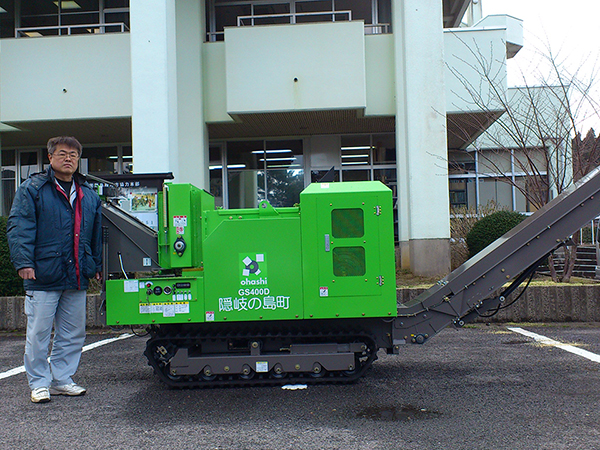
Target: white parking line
21,369
547,341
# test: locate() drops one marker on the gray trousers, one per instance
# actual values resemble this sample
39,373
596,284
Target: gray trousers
66,310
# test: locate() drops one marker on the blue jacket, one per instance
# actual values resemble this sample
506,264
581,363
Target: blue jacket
62,243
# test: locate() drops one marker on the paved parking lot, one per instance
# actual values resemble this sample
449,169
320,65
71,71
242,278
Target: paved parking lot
476,388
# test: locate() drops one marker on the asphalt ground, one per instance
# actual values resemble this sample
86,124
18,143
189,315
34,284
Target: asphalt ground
481,387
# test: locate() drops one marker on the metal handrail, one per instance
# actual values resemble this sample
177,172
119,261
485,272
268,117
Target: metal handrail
383,28
293,16
22,32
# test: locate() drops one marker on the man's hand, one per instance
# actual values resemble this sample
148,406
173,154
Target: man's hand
27,273
98,276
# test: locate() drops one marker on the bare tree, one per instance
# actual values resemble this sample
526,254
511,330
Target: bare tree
536,133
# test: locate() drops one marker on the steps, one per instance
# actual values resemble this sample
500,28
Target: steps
585,265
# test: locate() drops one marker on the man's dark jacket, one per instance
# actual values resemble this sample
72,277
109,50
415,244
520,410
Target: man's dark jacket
62,243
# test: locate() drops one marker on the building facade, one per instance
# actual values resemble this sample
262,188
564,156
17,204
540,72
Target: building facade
256,99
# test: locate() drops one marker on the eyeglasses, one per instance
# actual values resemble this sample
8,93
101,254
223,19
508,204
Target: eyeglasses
63,155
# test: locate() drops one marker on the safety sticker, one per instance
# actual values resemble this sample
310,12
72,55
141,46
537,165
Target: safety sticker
166,309
179,230
324,291
180,221
210,316
182,308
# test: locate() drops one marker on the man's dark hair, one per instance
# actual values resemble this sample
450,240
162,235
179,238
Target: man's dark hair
69,141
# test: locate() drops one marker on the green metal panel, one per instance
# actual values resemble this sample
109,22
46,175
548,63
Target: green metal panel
253,264
182,221
348,250
154,300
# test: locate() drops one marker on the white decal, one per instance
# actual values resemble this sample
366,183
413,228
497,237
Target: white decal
210,316
268,302
130,286
144,309
225,304
324,291
262,366
179,221
182,308
169,310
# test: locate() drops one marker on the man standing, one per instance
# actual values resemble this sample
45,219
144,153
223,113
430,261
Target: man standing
54,235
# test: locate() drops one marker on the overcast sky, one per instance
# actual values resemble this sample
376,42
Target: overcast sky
571,29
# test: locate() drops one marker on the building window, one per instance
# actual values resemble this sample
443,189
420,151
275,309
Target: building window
259,170
9,182
370,157
35,18
480,177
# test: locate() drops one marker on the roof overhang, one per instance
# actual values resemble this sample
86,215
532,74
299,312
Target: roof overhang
454,11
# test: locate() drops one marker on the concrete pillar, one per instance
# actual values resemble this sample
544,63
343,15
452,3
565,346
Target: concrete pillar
154,86
192,132
421,147
169,133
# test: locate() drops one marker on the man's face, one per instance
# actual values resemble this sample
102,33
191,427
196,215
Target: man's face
64,161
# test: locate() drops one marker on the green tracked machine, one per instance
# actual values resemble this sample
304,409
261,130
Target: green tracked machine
301,294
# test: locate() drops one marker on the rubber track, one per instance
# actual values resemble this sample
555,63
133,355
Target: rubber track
172,342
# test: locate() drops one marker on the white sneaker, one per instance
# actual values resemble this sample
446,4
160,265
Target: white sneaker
67,389
40,395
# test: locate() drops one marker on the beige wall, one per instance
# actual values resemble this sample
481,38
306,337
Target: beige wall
299,67
69,77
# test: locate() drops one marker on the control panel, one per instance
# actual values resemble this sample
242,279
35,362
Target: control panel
157,300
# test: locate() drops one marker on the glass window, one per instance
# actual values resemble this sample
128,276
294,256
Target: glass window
9,172
356,150
7,19
284,186
356,175
259,170
347,223
317,175
246,188
127,160
28,162
216,175
275,13
349,261
226,15
361,10
84,16
384,149
116,4
245,155
101,160
320,6
492,189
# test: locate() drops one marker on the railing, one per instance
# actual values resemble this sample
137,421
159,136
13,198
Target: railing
272,19
39,31
291,16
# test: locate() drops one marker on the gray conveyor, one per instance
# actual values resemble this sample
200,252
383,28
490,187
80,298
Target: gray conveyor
472,288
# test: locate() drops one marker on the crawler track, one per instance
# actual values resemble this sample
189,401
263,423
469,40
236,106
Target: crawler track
165,343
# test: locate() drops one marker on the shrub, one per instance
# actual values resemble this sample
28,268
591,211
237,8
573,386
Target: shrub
10,283
461,222
490,228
